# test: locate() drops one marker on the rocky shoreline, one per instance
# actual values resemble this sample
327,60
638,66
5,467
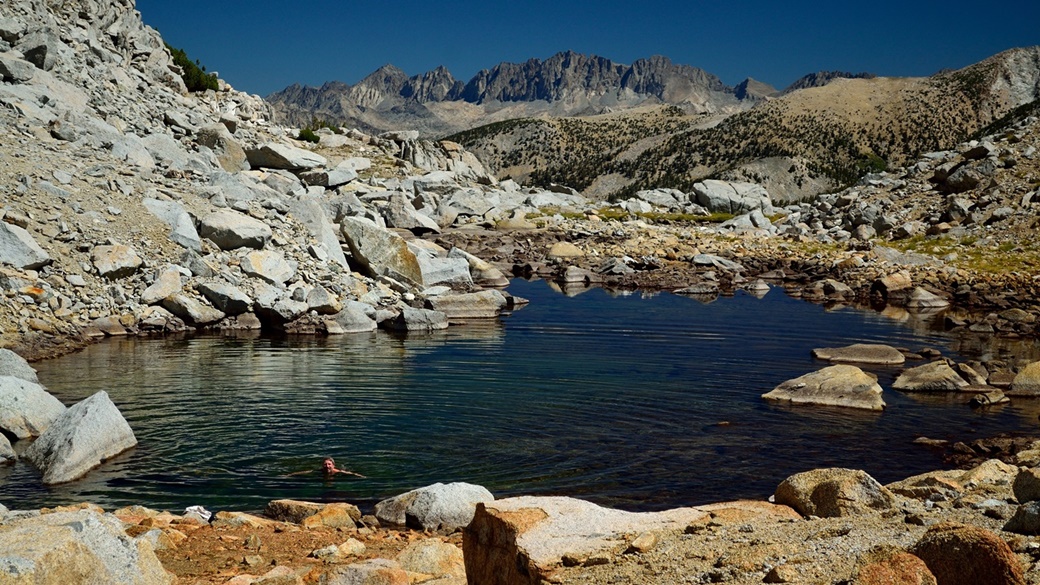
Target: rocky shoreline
821,526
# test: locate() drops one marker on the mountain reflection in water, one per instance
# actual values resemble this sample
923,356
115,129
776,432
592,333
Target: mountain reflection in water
634,401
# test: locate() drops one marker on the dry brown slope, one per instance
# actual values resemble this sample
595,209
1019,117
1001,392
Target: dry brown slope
824,137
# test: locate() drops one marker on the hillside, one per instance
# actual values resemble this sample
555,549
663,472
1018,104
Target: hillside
806,142
566,84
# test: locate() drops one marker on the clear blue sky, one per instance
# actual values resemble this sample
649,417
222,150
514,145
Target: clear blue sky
261,46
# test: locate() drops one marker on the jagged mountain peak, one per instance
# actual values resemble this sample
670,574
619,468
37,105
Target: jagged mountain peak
567,83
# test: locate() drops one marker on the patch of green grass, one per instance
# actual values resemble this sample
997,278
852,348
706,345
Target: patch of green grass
970,255
662,217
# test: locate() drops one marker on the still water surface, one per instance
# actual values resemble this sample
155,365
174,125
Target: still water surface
616,399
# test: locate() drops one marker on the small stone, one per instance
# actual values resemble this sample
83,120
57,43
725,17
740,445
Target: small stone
643,543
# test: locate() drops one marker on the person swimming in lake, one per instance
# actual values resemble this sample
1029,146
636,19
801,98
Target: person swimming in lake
329,469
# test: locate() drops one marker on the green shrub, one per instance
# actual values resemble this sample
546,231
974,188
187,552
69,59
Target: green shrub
308,135
194,74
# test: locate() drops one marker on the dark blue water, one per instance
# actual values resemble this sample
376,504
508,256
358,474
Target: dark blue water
630,401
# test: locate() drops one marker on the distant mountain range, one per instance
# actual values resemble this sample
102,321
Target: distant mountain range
824,132
566,84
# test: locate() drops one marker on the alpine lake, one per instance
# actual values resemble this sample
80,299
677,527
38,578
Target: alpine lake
635,401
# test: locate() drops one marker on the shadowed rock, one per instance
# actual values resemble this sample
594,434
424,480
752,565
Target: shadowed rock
1026,519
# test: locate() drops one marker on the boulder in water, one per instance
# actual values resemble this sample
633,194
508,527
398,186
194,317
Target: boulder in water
84,436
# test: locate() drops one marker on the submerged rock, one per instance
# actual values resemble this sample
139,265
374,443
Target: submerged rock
862,353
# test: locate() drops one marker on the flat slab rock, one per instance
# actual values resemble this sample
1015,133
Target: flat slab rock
861,353
841,385
516,540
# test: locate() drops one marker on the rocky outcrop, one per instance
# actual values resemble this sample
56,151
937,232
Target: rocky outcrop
282,156
521,540
486,304
84,436
843,385
937,376
381,252
736,198
963,555
76,547
12,364
26,408
438,506
833,492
